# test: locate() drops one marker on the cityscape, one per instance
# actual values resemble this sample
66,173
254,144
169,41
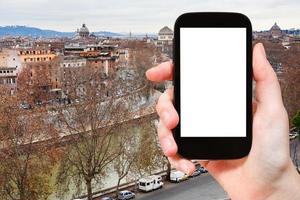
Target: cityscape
78,119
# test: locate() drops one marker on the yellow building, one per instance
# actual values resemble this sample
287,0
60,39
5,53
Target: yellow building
35,55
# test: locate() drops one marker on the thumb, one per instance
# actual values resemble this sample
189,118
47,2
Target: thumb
267,93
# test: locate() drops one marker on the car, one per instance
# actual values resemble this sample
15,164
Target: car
203,170
197,172
25,105
126,194
178,176
293,135
107,198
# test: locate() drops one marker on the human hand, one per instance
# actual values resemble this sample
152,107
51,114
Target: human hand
267,172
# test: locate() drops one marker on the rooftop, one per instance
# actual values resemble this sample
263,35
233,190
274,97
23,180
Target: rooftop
165,30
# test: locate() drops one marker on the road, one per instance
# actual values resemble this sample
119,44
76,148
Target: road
203,187
295,151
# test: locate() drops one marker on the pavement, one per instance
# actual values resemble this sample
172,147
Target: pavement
202,187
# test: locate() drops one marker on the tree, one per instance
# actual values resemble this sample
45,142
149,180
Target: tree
96,120
35,81
291,80
296,121
287,64
124,162
90,123
26,159
149,157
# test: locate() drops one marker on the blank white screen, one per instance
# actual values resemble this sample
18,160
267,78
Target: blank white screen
213,82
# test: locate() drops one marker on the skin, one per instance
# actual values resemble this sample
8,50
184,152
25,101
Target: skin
267,172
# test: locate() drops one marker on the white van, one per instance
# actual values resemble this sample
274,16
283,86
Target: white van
177,176
150,183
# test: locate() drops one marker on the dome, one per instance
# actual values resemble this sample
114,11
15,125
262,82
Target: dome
276,31
165,31
84,29
275,27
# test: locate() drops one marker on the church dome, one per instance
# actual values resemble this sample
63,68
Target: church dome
275,27
83,31
276,31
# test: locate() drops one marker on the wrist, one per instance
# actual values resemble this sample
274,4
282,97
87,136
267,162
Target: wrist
287,186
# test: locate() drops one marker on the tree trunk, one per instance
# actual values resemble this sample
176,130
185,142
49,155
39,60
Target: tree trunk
118,185
89,189
22,195
21,188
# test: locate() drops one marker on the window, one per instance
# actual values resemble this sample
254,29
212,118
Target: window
142,184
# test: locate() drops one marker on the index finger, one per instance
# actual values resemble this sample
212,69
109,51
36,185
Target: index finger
162,72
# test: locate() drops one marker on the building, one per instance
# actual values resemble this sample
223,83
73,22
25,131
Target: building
124,55
165,35
33,55
275,31
10,66
54,46
72,62
165,40
83,32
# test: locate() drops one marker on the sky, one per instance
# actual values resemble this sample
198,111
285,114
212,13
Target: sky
139,16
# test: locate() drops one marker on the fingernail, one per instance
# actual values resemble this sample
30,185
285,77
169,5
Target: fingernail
148,71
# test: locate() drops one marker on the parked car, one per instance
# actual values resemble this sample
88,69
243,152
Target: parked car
126,194
38,103
197,172
107,198
203,170
177,176
293,135
150,183
25,105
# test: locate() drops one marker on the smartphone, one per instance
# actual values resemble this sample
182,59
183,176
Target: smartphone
213,85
